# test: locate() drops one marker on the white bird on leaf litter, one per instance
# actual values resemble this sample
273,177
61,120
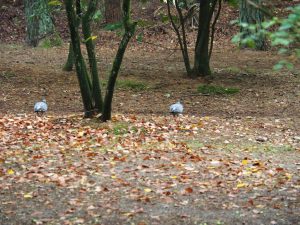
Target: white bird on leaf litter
41,107
176,109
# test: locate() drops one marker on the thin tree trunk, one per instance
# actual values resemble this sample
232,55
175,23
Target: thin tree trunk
181,40
86,29
129,32
201,63
81,69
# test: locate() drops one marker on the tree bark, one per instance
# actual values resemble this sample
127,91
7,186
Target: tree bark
201,62
70,61
38,21
81,69
113,11
252,16
86,29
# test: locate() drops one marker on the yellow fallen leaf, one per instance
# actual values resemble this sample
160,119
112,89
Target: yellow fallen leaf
241,185
254,170
288,175
28,195
245,162
113,177
93,37
129,214
173,177
10,171
80,134
147,190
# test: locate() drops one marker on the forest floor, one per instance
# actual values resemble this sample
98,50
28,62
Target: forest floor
229,159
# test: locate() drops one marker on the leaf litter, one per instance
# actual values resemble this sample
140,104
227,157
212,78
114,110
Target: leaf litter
156,170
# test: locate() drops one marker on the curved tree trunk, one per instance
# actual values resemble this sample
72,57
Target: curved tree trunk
70,61
129,32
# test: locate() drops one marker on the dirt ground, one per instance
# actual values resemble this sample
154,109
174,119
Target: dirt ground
260,124
28,74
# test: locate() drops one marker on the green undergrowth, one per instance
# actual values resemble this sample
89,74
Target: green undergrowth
52,41
7,74
133,85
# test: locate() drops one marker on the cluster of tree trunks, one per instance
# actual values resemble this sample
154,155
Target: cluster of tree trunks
203,45
88,79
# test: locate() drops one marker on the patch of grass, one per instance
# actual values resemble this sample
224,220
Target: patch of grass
49,42
144,23
120,128
251,70
7,74
281,148
195,144
219,90
233,70
131,85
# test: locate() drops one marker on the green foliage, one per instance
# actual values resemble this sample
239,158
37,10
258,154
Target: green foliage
52,41
114,26
216,90
286,36
98,16
233,70
233,3
140,37
120,129
144,23
54,3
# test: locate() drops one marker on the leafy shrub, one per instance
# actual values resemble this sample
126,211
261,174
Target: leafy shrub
286,36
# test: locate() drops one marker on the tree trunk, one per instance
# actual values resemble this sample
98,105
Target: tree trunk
201,63
129,32
81,70
70,61
86,29
180,35
38,21
112,11
252,16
